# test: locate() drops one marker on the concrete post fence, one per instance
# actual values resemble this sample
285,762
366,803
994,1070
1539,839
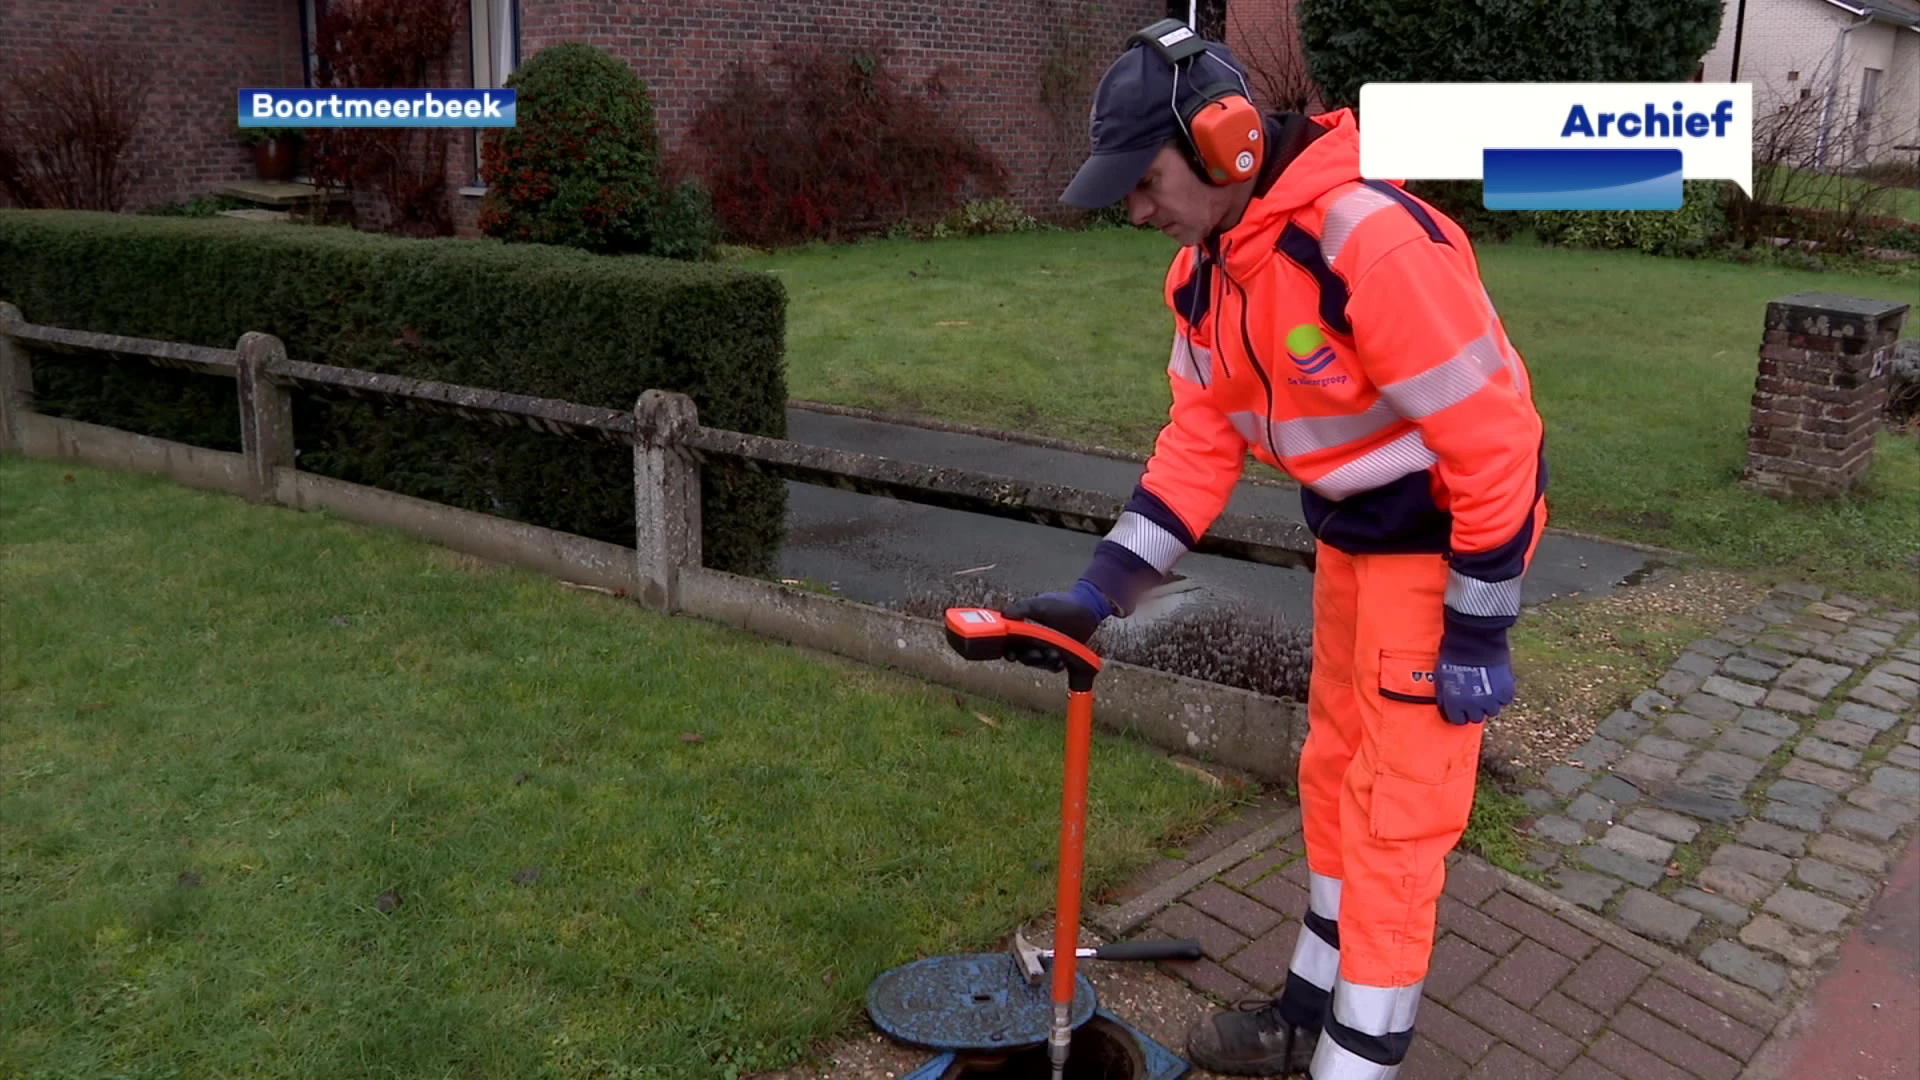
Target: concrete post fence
666,496
266,413
1252,733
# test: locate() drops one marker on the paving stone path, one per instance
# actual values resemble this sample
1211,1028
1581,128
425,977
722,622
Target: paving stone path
1523,985
1744,810
1697,861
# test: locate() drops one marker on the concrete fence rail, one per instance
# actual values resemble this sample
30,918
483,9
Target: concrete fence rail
1254,733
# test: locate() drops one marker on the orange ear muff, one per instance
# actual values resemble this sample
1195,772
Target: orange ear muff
1226,136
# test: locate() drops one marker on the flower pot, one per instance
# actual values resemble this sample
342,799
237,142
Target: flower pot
273,159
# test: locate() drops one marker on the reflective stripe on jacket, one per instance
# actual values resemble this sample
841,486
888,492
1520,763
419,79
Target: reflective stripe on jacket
1340,333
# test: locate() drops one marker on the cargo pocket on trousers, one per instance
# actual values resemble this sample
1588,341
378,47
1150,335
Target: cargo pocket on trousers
1424,767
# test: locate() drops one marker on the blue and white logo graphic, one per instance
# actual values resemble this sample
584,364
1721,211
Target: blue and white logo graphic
405,108
1561,146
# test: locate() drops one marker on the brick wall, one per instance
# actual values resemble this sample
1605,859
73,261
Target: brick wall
206,49
1264,35
993,52
1820,393
993,49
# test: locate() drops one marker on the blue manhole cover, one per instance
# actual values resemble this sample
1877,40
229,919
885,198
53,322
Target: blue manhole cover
975,1001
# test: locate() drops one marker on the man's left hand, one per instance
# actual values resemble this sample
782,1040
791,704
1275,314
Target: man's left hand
1470,693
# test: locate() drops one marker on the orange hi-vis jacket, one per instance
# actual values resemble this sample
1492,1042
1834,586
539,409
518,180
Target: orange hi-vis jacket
1340,333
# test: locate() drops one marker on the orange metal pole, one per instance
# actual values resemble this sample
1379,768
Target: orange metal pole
1073,834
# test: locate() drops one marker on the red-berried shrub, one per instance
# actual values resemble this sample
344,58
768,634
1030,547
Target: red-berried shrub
581,166
835,142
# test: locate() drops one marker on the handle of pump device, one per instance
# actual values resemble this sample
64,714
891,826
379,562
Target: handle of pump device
984,634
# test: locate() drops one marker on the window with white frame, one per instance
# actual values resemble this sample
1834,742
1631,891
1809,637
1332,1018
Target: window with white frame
496,53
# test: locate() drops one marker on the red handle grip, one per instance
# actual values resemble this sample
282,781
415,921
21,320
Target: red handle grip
982,634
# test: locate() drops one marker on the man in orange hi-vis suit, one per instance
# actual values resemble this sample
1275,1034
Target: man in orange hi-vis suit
1337,329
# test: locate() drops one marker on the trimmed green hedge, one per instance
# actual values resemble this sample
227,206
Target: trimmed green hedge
1695,229
524,318
1700,223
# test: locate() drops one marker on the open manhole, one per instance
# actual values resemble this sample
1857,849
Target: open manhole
991,1022
1100,1050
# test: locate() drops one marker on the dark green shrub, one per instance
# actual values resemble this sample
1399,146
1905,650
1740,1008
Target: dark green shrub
529,319
986,217
1465,202
1349,43
582,165
1700,223
1903,383
198,206
683,225
1840,231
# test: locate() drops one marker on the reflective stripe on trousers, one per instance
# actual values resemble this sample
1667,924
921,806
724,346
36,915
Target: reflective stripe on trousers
1386,785
1365,1030
1316,957
1368,1032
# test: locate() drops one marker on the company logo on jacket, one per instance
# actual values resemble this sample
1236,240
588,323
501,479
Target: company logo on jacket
1310,353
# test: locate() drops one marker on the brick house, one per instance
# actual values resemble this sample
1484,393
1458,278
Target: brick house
995,52
1852,67
201,52
1265,36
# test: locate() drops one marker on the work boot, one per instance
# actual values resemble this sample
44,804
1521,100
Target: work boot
1251,1040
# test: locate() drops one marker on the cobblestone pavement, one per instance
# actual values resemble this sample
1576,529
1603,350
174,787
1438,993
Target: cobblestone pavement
1744,810
1523,984
1698,865
1699,862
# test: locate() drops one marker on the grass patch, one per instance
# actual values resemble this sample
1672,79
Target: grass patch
1578,659
1493,830
286,796
1690,859
1643,369
986,330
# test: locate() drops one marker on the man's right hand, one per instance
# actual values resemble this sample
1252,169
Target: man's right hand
1076,614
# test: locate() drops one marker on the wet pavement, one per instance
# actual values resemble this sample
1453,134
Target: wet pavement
879,551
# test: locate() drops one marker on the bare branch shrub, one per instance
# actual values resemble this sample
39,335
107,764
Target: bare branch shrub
66,124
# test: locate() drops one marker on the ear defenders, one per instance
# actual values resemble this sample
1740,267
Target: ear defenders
1218,119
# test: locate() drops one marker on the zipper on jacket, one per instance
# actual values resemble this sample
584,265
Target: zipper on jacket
1213,302
1253,358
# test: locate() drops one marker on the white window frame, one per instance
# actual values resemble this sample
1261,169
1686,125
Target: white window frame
495,53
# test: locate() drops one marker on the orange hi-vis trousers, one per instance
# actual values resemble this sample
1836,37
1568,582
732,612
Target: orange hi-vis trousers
1386,786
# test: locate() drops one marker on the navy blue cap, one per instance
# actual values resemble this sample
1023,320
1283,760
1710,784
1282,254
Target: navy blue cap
1133,117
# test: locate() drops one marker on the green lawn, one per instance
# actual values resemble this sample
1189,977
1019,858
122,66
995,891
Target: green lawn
1803,188
1643,367
621,844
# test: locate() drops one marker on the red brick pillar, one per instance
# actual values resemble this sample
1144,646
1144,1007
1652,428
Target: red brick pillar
1821,392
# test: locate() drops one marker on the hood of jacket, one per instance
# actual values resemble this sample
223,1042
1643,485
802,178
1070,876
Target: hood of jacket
1311,155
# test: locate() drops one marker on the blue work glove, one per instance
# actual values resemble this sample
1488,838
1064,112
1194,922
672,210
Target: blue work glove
1077,614
1474,678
